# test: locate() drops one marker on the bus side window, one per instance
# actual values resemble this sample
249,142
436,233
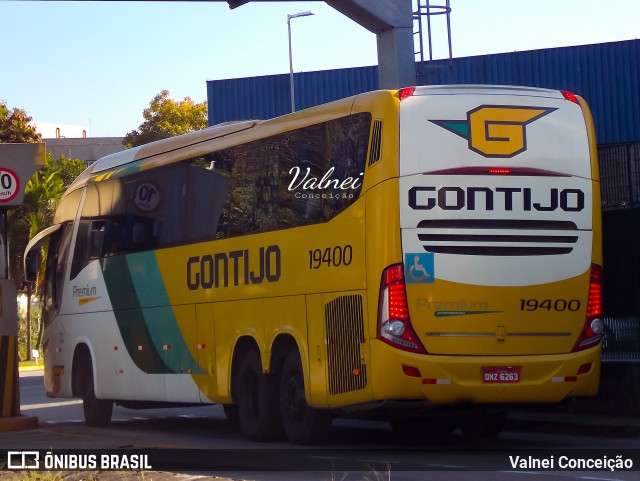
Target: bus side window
334,150
274,182
148,210
92,227
207,189
89,242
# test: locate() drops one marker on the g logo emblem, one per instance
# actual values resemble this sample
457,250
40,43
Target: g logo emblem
496,130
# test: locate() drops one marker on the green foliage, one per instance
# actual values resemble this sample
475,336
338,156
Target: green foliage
165,118
66,168
14,126
42,194
22,330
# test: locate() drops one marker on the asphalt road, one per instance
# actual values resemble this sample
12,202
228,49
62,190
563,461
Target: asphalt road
200,441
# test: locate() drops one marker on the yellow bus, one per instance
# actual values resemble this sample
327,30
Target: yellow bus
430,256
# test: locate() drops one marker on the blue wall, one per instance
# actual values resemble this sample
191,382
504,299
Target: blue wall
606,75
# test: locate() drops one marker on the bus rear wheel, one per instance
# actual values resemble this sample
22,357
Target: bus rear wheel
302,423
97,412
257,400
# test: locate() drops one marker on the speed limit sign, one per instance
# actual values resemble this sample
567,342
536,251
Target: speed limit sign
9,185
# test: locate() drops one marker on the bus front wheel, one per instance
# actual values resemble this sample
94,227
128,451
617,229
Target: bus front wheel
97,412
302,423
257,400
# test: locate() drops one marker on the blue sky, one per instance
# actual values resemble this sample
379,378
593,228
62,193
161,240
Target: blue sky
98,64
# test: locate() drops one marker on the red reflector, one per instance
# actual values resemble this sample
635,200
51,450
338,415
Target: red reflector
571,379
569,96
585,368
406,92
429,381
411,371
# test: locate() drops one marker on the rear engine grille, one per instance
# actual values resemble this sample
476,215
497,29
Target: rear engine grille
345,334
488,237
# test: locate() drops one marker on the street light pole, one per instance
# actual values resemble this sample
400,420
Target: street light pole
289,17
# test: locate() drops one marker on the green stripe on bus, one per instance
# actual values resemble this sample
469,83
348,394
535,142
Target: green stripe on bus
131,322
160,319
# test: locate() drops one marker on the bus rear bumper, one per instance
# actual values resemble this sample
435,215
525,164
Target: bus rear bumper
461,379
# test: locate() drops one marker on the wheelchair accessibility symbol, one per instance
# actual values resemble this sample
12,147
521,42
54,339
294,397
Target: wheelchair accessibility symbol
419,268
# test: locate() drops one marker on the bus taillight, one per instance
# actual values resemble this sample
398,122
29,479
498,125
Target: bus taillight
394,324
569,96
406,92
594,323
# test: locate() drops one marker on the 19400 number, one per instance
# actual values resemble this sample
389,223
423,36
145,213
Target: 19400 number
330,257
550,305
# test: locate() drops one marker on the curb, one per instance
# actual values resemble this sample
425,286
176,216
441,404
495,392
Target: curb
30,368
18,423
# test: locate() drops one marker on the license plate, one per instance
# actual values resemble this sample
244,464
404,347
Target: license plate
501,374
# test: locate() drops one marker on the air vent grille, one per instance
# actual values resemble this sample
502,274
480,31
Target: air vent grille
345,335
487,237
376,143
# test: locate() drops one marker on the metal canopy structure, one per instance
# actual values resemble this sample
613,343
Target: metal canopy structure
391,21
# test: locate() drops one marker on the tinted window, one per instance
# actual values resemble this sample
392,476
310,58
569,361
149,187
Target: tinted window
148,210
300,177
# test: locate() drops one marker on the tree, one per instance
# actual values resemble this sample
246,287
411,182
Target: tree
42,194
14,126
165,118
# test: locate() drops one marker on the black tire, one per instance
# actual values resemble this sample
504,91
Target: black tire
411,430
486,425
97,412
302,424
257,400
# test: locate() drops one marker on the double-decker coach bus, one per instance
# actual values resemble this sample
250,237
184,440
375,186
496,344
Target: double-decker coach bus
431,255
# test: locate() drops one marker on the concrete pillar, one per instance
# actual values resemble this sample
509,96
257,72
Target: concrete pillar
392,22
396,68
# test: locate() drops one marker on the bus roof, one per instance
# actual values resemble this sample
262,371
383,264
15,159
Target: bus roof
154,148
128,156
